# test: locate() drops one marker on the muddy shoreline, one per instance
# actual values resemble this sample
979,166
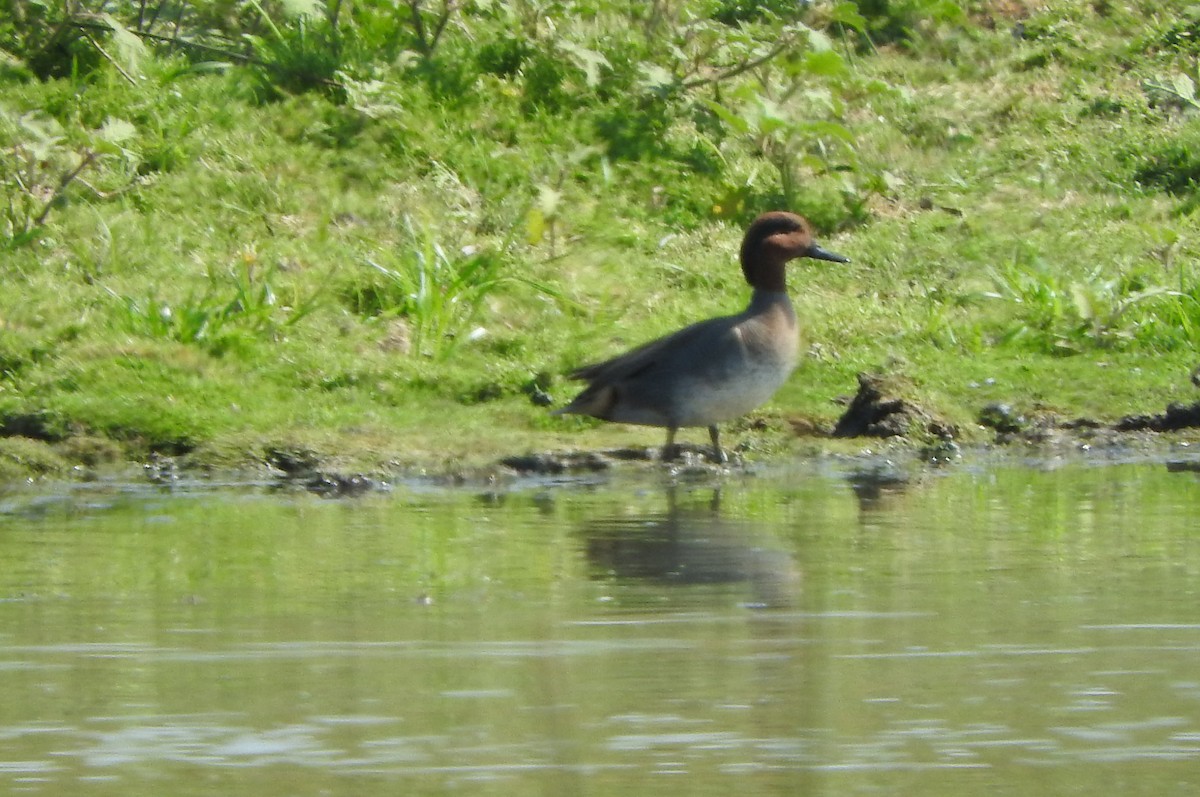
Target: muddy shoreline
880,430
885,462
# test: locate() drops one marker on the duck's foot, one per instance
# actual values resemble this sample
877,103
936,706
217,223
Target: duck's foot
670,451
718,455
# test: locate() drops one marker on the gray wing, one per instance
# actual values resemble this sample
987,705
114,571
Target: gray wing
640,385
669,353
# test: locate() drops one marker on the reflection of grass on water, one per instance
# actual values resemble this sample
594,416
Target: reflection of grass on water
983,619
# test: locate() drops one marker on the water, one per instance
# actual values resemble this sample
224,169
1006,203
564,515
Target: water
819,630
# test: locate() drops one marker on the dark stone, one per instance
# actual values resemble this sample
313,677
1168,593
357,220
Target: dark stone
161,470
336,485
540,398
293,461
1002,417
538,389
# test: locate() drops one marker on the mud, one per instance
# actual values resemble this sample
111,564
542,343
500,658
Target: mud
550,463
880,410
1176,417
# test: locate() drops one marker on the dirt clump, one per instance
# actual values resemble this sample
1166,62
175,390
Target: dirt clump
879,410
1176,417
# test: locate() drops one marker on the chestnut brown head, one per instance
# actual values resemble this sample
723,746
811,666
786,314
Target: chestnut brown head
771,241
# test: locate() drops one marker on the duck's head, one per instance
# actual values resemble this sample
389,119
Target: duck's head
771,241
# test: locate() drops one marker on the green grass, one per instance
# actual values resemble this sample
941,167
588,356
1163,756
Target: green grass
386,261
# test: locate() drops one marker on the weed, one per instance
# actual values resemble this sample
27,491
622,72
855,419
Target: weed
1170,163
1057,314
803,148
902,21
239,307
1178,91
39,166
1182,33
438,290
301,53
35,171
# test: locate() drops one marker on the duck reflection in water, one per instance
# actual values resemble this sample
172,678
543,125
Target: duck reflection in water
691,546
878,486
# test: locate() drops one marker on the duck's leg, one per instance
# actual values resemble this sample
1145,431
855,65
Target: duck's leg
669,451
715,436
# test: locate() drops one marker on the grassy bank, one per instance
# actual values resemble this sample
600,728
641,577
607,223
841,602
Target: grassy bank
351,238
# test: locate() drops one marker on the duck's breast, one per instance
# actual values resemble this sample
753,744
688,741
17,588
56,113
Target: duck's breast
744,370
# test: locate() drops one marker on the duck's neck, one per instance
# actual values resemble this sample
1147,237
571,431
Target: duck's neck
763,301
766,275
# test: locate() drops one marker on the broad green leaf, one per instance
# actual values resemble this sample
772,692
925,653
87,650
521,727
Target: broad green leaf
826,63
43,134
301,8
847,14
830,130
589,61
736,122
44,129
1083,301
116,131
548,201
655,76
947,11
1184,87
129,51
535,226
817,40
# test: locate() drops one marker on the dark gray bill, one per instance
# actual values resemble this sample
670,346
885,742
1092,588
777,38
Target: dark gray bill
823,254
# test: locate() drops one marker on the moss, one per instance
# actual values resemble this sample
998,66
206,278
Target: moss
23,456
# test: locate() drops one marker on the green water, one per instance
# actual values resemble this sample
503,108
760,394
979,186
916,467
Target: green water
816,630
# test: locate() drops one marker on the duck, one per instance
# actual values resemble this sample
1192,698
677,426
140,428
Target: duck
718,369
